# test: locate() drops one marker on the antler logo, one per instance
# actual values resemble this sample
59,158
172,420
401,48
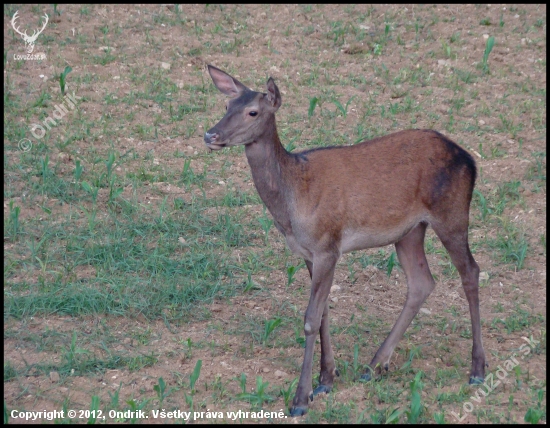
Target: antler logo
29,40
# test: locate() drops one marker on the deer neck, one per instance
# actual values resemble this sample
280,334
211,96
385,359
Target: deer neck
269,163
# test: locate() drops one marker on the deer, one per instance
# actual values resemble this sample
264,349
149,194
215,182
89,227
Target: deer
332,200
29,40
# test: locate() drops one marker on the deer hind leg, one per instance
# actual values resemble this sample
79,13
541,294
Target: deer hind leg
456,242
420,283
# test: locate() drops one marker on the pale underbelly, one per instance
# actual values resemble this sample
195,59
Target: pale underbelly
351,240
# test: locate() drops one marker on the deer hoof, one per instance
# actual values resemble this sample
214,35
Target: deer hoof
298,411
322,388
476,380
365,377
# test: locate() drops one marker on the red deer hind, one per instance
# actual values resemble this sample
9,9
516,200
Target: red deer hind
329,201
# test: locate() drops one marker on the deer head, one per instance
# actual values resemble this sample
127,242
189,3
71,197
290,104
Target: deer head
29,40
247,111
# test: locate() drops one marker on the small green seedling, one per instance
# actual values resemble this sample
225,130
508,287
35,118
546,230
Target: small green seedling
488,48
265,223
356,367
270,326
114,192
242,382
195,376
13,219
44,167
287,393
439,418
92,190
115,397
416,407
259,397
312,104
109,164
249,285
72,351
290,272
160,389
78,169
533,415
135,408
63,79
94,410
341,108
390,264
189,400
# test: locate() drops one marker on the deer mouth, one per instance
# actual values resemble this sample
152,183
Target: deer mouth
215,146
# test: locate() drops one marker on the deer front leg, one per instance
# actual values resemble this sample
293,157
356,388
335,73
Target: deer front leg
328,368
322,275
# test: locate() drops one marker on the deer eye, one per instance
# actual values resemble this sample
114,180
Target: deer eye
253,113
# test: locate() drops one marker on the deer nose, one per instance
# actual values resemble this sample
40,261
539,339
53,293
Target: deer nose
210,137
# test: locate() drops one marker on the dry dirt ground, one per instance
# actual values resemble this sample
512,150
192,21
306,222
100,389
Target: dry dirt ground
146,96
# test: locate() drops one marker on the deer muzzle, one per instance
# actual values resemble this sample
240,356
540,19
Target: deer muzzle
211,140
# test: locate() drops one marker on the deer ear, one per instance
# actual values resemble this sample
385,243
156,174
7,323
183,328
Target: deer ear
225,83
273,94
